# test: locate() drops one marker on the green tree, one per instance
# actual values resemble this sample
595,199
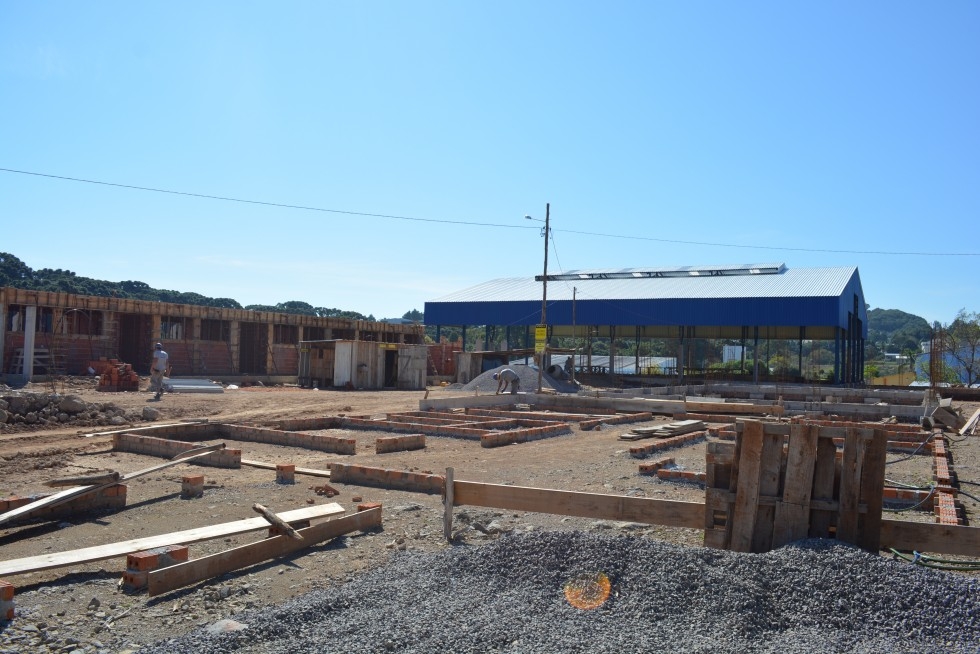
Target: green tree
963,344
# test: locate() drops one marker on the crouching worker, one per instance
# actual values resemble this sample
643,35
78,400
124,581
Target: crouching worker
507,377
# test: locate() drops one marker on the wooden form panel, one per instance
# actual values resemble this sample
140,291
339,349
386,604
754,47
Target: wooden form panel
770,488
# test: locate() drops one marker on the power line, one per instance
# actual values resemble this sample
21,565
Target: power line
267,204
482,224
772,247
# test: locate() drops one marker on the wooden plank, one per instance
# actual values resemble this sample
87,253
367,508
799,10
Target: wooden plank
823,488
850,487
585,505
182,574
872,488
111,550
732,485
747,492
769,473
931,537
971,424
79,491
311,472
792,520
90,480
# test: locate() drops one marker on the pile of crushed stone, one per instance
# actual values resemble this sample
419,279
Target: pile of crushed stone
510,596
485,383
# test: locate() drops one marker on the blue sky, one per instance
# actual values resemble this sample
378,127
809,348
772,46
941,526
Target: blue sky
682,133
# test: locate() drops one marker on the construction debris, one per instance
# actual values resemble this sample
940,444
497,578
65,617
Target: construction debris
667,430
118,376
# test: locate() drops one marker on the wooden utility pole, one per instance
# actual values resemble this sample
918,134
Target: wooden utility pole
544,294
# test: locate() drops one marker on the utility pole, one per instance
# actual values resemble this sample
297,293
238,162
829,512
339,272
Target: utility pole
544,294
574,335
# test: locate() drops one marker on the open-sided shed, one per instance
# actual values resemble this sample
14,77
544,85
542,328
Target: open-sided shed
749,303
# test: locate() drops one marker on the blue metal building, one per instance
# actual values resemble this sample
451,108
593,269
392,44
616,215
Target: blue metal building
750,302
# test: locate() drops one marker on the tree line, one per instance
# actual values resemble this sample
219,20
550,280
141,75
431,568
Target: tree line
17,274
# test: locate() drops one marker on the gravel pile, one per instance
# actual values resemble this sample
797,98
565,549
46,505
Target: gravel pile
485,382
508,596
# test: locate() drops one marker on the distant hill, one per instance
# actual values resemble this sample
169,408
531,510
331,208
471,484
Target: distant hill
892,330
15,273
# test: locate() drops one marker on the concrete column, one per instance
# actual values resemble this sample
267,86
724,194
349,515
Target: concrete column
3,334
270,365
156,327
30,328
234,345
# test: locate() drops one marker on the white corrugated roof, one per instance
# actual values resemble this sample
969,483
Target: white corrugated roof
791,282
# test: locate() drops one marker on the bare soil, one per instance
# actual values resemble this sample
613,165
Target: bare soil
84,605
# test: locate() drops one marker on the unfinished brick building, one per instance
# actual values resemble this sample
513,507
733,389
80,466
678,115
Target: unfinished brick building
68,332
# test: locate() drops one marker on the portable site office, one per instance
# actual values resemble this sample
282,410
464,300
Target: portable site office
362,365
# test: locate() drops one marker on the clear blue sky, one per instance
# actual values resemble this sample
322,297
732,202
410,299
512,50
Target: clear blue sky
662,133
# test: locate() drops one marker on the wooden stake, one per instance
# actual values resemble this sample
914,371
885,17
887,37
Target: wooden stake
447,526
277,522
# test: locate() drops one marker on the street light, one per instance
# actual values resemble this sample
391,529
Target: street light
544,289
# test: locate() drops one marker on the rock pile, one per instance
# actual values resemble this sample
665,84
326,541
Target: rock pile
21,411
485,382
524,593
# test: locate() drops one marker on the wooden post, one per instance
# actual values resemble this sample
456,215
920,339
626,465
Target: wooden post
447,526
276,521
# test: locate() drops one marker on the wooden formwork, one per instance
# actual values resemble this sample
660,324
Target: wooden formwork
778,483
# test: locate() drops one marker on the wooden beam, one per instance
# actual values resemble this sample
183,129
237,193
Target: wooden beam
872,483
584,505
850,486
747,492
90,480
112,550
971,424
792,519
179,575
930,537
312,472
277,522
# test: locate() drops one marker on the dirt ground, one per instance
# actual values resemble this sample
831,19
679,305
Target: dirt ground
84,609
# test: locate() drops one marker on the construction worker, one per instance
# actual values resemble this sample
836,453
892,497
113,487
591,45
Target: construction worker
505,377
158,368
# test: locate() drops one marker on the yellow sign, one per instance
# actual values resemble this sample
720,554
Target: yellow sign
540,338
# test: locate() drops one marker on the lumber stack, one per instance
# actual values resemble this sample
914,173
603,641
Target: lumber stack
118,376
666,430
